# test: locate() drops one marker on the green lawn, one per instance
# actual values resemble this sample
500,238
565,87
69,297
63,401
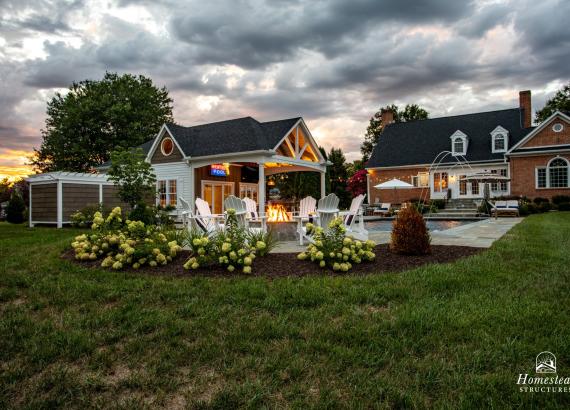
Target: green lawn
452,336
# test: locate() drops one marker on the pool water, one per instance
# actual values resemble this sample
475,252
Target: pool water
386,226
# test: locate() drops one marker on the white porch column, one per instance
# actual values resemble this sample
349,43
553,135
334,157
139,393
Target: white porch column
59,204
261,189
323,185
368,188
30,224
191,193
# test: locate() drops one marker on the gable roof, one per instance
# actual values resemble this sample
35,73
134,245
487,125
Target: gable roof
237,135
518,147
418,142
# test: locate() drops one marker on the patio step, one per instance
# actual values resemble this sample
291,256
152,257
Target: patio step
456,203
454,215
458,210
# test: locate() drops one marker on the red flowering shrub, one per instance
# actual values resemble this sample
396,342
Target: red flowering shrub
410,235
357,183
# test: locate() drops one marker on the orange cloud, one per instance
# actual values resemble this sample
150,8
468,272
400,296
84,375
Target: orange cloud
13,164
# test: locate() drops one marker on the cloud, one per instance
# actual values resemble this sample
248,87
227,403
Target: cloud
333,62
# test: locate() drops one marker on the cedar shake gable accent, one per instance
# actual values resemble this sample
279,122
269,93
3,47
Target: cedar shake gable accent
159,158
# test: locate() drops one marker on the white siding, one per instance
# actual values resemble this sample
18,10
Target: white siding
179,171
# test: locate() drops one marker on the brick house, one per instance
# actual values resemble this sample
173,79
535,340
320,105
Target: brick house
435,154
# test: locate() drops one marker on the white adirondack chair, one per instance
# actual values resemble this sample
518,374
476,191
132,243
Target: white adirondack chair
349,219
204,219
307,207
186,213
253,215
326,211
239,205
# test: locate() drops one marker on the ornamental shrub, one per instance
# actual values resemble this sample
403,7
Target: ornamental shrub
232,248
564,206
560,199
544,207
333,249
84,217
124,243
15,209
410,235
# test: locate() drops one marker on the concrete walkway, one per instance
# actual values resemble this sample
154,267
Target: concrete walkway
480,234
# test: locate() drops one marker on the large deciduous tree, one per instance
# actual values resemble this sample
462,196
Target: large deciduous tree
410,112
94,118
560,101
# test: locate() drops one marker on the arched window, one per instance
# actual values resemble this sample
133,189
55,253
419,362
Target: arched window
558,173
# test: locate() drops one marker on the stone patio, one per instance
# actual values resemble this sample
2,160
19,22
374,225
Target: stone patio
480,234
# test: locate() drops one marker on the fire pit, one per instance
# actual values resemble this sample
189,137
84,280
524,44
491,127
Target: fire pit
281,222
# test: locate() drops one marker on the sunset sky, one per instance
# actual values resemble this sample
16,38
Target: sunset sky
333,62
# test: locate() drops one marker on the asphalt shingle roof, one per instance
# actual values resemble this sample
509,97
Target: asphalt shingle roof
238,135
418,142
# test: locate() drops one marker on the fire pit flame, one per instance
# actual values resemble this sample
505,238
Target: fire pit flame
277,213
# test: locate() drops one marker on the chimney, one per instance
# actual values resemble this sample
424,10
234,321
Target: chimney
387,116
525,105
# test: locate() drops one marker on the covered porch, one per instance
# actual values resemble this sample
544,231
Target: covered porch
250,174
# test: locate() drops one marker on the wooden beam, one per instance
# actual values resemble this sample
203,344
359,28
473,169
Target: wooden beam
293,154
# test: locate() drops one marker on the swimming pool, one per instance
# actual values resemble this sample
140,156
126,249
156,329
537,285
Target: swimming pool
432,225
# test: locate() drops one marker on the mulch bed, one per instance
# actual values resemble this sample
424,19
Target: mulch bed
287,264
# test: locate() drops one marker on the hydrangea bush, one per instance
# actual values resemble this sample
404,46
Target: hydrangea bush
332,248
233,248
122,243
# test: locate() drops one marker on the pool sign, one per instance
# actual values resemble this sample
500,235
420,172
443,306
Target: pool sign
218,170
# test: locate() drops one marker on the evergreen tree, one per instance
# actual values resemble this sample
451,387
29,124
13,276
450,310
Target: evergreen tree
15,209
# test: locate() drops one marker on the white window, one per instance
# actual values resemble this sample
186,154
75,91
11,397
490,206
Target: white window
458,146
499,140
499,186
499,143
558,173
167,192
459,142
558,127
248,190
541,177
440,181
421,180
554,175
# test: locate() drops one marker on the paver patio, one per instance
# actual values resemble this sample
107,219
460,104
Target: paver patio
480,234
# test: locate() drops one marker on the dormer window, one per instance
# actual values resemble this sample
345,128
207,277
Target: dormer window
499,140
458,147
459,143
499,143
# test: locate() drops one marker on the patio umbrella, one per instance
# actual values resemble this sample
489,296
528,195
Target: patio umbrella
394,184
486,178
